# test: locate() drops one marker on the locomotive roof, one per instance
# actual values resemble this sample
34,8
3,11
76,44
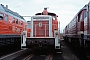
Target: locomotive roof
49,13
84,8
5,9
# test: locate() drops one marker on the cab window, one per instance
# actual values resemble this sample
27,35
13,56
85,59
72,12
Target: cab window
21,23
80,17
17,21
1,16
13,21
85,15
6,18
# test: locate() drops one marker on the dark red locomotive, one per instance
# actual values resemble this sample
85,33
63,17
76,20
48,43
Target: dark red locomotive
78,30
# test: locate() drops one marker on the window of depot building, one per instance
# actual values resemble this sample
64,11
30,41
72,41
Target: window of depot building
17,21
1,16
85,15
6,18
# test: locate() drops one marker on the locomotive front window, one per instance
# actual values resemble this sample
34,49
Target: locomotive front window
29,26
1,16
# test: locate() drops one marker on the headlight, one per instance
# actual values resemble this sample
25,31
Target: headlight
56,33
24,33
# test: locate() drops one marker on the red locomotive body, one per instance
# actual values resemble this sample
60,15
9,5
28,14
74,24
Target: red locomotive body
44,32
11,27
42,29
77,31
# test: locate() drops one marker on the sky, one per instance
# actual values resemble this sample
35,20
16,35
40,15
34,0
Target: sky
65,9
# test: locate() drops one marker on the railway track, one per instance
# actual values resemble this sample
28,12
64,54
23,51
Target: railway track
80,54
42,57
49,57
28,57
66,54
13,55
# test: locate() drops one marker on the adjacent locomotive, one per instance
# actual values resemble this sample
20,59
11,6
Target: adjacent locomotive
43,32
11,26
78,30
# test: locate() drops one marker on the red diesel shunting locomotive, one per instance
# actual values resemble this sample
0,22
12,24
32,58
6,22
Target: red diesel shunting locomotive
11,26
44,32
78,30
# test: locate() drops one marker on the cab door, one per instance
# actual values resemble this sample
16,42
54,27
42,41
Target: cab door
80,23
85,23
3,23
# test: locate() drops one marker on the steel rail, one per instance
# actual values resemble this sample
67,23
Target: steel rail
28,57
49,57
